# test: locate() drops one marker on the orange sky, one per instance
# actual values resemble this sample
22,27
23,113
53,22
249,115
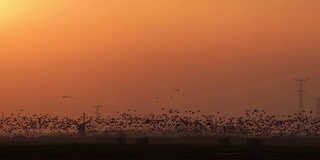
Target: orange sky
231,55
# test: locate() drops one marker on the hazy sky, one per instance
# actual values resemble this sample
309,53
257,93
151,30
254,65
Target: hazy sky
223,55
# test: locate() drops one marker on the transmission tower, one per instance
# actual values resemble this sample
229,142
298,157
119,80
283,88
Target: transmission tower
97,107
301,91
318,106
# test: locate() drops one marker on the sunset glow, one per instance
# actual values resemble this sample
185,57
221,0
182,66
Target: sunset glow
223,55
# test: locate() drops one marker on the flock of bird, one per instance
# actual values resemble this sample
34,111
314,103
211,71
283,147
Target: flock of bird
170,122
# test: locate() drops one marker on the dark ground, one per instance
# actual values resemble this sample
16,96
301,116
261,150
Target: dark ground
157,152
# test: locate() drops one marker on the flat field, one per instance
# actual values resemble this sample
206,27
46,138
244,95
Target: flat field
157,152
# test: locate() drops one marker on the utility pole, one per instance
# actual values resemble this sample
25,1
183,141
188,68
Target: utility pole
318,106
97,107
301,91
82,127
84,118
